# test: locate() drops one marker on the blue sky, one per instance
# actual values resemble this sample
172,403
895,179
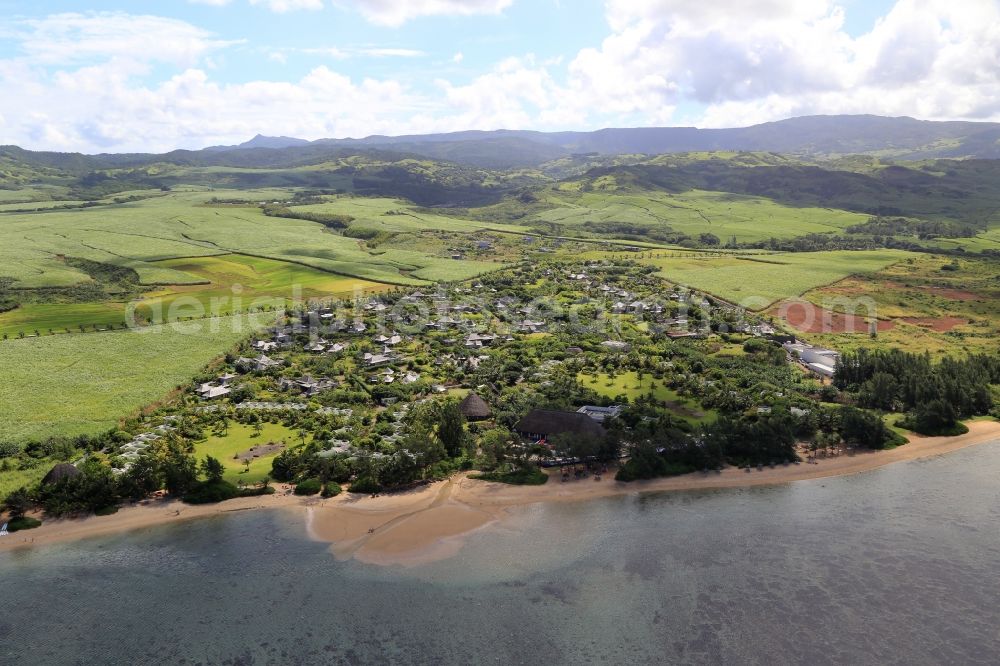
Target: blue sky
114,75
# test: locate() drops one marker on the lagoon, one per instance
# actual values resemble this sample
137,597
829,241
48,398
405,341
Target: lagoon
897,565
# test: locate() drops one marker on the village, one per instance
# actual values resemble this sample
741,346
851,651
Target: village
557,364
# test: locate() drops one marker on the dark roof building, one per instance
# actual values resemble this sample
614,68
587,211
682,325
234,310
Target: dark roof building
60,472
544,423
475,408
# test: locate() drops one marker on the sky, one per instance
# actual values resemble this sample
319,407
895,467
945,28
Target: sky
126,76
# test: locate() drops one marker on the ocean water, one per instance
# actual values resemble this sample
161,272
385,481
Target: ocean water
896,566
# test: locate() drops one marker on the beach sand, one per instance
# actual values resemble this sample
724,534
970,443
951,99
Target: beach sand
431,522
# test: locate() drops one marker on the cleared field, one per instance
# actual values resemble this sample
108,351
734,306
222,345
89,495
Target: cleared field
919,307
238,441
759,281
695,212
79,384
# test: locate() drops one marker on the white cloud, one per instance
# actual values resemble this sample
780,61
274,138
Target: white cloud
282,6
458,57
77,83
398,12
757,60
392,13
65,39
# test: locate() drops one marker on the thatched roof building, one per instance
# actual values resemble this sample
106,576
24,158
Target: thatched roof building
475,408
544,423
60,472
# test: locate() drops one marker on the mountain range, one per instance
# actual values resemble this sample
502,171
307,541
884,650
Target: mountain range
809,136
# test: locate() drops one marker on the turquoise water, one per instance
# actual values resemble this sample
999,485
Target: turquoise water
899,565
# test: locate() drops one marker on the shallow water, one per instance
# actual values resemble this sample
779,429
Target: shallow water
898,565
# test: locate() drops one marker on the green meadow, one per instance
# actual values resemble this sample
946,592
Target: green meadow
759,281
141,234
694,212
83,384
240,438
632,386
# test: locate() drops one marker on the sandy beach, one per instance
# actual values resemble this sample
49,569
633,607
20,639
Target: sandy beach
431,523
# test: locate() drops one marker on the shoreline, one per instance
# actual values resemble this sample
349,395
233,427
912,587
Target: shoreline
432,522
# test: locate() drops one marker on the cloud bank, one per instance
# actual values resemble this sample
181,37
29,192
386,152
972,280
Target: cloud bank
118,81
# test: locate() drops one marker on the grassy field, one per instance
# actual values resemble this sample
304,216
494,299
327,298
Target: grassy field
695,212
228,284
631,386
384,214
78,384
236,282
15,478
239,439
758,281
916,300
142,234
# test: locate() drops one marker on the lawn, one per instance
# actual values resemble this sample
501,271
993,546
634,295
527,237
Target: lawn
83,384
631,386
239,439
758,281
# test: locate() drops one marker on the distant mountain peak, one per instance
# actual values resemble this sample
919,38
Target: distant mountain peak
261,141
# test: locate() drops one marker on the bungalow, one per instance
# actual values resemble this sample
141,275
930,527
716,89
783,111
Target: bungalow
265,363
477,340
264,345
377,360
541,424
529,326
210,392
601,414
616,345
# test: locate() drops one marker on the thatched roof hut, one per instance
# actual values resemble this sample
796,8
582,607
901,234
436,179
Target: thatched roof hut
544,423
60,472
475,408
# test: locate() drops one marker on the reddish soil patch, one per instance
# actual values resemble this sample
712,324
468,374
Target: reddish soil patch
937,324
260,450
951,294
810,318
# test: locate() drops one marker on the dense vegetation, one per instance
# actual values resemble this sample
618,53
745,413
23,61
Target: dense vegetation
935,395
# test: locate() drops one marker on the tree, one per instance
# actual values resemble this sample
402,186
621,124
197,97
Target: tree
451,428
18,503
933,417
495,447
212,469
180,471
863,428
142,478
